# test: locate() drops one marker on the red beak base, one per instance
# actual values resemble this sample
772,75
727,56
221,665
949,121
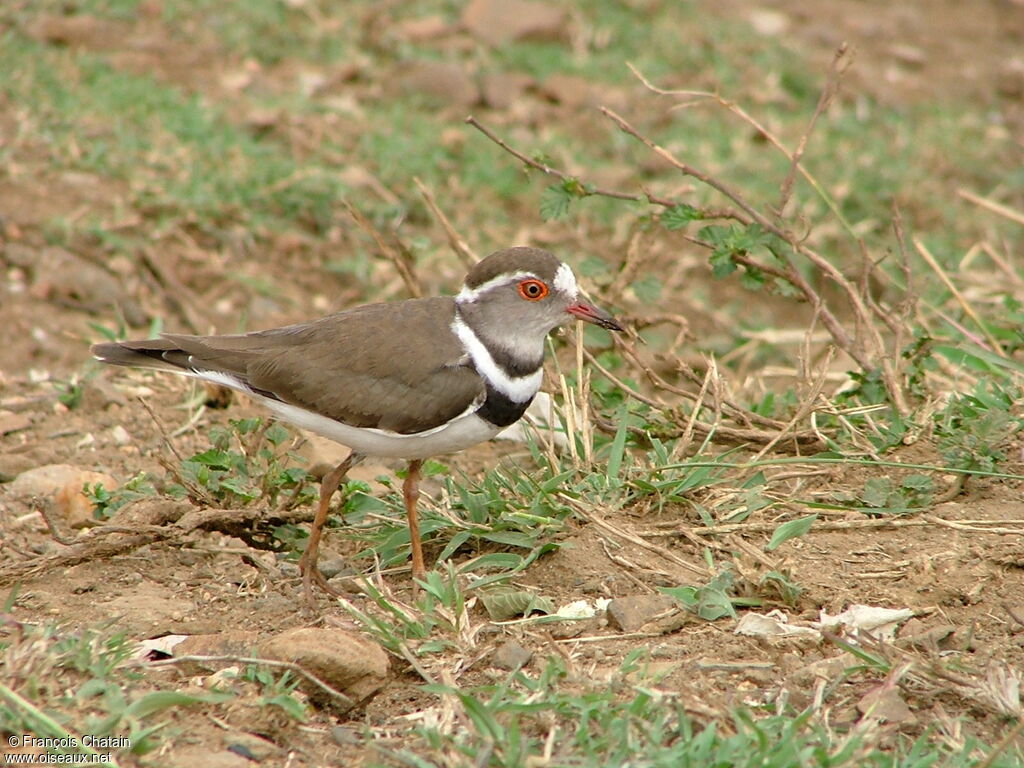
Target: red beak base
593,315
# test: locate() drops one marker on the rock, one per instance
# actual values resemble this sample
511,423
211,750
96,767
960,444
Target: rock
343,736
63,485
936,638
497,22
630,613
767,22
119,435
344,660
446,83
511,655
332,566
43,481
885,705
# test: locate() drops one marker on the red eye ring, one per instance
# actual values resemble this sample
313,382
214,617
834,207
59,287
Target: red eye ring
533,290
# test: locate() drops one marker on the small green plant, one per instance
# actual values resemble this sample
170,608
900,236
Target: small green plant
439,621
577,721
714,600
107,503
975,428
277,690
69,392
58,683
247,461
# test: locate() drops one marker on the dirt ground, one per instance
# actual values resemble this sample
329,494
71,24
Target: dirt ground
963,580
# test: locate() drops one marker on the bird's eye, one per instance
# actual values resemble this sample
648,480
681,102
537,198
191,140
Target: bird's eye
534,290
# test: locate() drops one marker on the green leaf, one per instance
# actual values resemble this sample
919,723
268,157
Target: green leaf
919,483
722,264
245,426
294,708
877,491
214,458
554,202
618,448
648,289
752,278
505,602
277,433
977,359
454,543
678,216
791,530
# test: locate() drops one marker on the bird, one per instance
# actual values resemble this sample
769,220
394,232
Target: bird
410,379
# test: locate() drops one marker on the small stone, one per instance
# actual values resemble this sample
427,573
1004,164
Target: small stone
333,566
767,22
346,661
43,481
886,705
510,655
119,435
63,485
632,612
344,737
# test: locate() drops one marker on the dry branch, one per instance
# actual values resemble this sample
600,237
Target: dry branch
145,522
458,244
400,257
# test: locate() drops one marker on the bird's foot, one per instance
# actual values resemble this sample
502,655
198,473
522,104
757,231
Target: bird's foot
311,575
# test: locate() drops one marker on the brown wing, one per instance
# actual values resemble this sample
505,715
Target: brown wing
390,366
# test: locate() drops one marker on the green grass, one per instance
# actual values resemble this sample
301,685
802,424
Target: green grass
575,721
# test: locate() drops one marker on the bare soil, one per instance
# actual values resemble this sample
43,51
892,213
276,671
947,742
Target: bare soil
960,577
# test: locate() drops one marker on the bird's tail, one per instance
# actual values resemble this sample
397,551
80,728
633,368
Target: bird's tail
159,354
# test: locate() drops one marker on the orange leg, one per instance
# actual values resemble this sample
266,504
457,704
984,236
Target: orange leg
308,562
411,494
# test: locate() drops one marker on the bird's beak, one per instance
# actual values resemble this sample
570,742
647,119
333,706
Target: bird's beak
592,314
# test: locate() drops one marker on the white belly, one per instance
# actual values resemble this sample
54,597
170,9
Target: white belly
462,432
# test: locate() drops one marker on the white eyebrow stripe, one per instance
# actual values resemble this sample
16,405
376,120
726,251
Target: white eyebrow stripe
519,389
468,294
565,281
